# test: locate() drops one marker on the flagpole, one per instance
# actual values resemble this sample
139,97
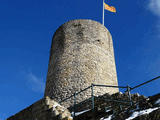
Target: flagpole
103,14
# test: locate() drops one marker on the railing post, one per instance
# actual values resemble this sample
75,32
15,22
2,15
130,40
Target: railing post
137,106
74,105
92,95
129,94
120,106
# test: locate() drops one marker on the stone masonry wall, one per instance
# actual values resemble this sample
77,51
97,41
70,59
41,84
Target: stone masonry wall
44,109
81,53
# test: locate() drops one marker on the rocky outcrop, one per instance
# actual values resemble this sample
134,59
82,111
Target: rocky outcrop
143,108
106,106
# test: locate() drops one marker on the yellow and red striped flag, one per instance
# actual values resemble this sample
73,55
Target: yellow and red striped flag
109,8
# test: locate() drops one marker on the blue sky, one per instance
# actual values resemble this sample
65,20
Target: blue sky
27,27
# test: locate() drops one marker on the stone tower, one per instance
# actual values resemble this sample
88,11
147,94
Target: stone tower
81,53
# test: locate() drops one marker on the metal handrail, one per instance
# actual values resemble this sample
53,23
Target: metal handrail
120,101
74,94
129,89
92,85
145,82
109,86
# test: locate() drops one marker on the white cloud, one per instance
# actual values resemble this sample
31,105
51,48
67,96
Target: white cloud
154,6
35,83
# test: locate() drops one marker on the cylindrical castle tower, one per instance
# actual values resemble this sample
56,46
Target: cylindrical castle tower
81,54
